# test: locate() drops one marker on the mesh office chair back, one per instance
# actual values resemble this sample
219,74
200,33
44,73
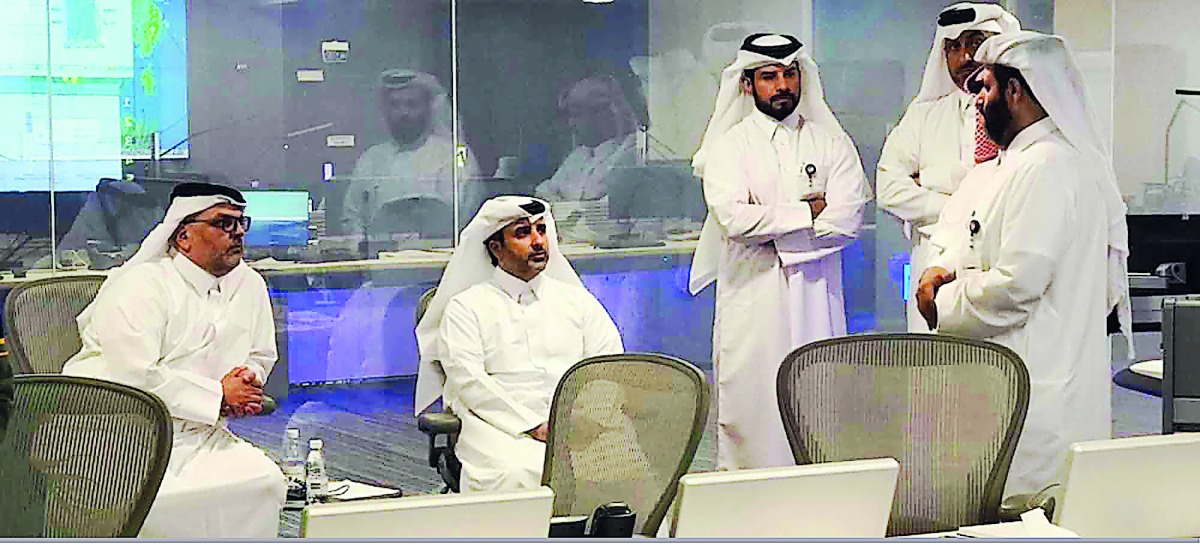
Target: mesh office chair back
949,410
82,458
40,319
624,428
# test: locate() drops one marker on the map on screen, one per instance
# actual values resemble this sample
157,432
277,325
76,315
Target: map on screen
109,73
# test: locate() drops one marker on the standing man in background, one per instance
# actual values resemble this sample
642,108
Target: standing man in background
1041,259
785,191
940,137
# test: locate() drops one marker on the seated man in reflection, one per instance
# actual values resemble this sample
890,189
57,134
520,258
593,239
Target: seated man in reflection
509,318
113,220
604,135
418,162
187,320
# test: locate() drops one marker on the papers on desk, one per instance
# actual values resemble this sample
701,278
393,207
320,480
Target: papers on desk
357,491
1032,524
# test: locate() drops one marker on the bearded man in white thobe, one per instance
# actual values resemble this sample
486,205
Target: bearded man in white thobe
940,138
418,161
785,192
1039,260
509,318
187,320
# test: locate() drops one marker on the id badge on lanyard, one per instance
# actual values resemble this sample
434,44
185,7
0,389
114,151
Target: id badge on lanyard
973,259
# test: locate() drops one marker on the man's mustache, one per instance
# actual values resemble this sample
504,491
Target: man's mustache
784,94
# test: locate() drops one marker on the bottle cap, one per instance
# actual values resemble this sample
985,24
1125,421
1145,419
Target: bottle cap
293,433
315,443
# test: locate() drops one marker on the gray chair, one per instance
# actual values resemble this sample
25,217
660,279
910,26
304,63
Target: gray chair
950,410
40,319
624,428
436,424
41,329
83,458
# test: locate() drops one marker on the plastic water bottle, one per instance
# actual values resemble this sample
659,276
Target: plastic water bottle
293,469
318,480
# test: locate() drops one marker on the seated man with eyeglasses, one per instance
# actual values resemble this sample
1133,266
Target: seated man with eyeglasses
187,320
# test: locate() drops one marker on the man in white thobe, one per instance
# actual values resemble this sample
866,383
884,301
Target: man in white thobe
1040,259
603,130
938,140
418,161
509,318
187,320
785,192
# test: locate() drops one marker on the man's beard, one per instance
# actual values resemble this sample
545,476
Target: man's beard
779,113
996,120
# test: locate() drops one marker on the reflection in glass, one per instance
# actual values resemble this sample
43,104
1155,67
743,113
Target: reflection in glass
407,183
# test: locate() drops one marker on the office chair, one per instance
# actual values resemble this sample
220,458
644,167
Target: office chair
83,458
435,424
624,428
41,329
40,318
950,410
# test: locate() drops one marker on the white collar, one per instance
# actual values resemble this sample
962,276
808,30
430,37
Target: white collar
1037,131
770,125
200,280
515,287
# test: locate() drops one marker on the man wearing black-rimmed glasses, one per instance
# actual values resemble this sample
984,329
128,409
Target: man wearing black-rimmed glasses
188,320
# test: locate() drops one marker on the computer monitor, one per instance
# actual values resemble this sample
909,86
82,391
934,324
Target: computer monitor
836,499
1133,487
278,217
655,190
523,514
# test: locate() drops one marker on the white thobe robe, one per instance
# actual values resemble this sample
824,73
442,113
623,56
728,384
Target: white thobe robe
1034,278
508,343
171,328
936,141
387,172
779,279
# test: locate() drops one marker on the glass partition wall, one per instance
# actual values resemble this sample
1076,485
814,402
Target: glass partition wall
366,133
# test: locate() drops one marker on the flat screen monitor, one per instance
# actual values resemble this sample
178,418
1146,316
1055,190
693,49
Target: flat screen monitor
120,69
1133,487
836,499
522,514
278,217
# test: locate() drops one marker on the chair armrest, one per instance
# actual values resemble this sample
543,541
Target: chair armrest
435,423
1013,506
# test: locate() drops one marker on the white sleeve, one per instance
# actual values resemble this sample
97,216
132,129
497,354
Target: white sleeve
130,325
896,190
263,350
1038,220
730,204
600,335
467,374
846,195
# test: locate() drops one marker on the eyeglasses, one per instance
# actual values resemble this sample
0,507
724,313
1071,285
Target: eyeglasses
226,223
